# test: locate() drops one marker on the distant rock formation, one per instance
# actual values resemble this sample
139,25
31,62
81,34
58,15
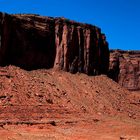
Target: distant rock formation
125,68
32,42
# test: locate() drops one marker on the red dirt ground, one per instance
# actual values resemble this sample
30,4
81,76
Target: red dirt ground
55,105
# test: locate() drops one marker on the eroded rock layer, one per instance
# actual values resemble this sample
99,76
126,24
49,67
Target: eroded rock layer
125,68
32,42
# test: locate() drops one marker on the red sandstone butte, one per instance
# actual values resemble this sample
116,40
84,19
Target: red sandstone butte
125,68
32,42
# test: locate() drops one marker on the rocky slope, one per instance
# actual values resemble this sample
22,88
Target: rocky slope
95,94
49,104
125,68
32,42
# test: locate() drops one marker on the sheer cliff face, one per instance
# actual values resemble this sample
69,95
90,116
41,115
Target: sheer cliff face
125,68
27,41
32,42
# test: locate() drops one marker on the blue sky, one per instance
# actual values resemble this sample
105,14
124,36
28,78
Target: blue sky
118,19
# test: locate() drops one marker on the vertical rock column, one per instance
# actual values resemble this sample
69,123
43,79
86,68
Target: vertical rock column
104,55
1,23
81,49
60,42
87,46
1,32
5,21
63,39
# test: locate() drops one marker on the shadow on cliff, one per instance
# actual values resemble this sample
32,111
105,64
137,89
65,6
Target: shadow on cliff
25,45
34,42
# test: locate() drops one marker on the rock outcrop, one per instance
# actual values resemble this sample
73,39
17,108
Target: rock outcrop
32,42
125,68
